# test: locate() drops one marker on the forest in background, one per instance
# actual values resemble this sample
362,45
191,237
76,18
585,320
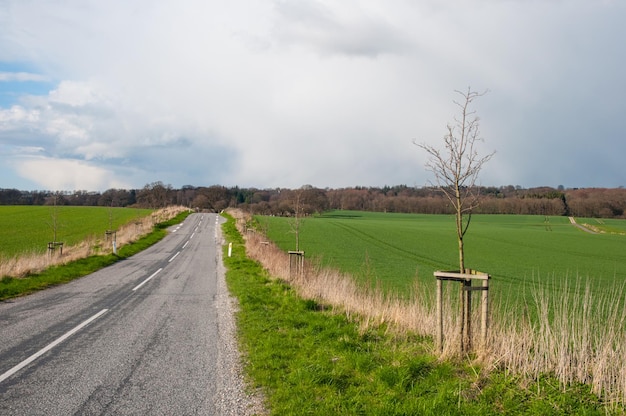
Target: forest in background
579,202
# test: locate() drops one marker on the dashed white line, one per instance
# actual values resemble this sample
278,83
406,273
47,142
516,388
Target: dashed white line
192,234
50,346
173,257
185,245
147,280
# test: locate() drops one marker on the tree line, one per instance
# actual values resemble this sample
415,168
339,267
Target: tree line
584,202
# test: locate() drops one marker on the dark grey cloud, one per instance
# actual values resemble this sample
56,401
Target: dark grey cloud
332,31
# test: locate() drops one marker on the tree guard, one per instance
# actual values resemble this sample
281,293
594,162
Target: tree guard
52,246
296,263
466,280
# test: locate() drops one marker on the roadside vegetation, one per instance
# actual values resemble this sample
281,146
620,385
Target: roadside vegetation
319,344
23,274
567,324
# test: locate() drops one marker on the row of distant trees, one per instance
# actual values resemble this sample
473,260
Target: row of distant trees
586,202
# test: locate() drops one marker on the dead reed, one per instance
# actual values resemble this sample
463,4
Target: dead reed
578,339
579,336
27,263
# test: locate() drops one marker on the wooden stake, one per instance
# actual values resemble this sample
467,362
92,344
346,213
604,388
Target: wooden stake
484,324
439,317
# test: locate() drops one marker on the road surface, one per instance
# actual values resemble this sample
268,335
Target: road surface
582,227
150,335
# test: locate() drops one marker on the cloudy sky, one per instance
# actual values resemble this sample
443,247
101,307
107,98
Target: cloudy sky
121,93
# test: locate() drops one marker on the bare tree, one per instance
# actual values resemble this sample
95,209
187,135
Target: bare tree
296,258
296,221
55,224
54,217
456,169
457,165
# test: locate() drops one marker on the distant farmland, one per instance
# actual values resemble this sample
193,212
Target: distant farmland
28,229
397,249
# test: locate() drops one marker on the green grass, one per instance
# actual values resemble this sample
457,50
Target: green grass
11,287
29,228
310,361
398,248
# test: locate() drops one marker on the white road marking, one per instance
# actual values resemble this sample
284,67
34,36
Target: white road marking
192,234
185,245
170,260
50,346
148,279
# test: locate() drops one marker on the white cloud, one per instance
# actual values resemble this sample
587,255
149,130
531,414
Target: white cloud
74,93
67,174
17,117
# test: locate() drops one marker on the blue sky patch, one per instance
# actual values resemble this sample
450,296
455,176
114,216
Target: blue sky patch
17,80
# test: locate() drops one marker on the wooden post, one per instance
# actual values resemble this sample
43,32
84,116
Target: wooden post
462,313
439,318
467,336
484,316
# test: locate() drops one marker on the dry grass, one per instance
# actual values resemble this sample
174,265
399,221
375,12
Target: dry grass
577,339
27,263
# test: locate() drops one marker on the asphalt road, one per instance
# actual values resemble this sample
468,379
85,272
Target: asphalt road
144,336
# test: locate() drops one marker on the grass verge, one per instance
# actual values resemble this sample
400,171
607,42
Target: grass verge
11,287
312,359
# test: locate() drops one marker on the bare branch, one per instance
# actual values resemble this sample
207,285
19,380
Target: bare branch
457,165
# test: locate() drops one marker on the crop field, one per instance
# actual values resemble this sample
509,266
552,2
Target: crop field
395,250
28,229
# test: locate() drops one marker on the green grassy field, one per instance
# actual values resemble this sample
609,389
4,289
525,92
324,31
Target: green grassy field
29,228
397,249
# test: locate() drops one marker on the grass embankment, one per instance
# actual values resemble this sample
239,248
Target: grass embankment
12,286
310,358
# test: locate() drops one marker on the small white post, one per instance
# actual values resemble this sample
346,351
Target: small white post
230,249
